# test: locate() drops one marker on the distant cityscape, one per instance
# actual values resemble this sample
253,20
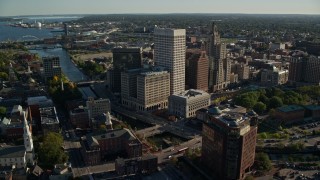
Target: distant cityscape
160,96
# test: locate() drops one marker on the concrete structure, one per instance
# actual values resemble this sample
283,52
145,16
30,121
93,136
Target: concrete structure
13,156
304,69
123,59
170,52
97,107
274,77
49,120
79,118
51,67
289,114
145,90
197,66
228,145
219,66
113,142
186,104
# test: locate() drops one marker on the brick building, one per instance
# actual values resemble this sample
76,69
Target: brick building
140,165
290,113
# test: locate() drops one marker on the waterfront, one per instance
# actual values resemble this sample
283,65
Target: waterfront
68,68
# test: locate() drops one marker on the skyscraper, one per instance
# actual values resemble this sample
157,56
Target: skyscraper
51,66
169,52
228,145
218,78
124,59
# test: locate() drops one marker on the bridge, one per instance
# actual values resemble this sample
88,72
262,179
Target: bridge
41,47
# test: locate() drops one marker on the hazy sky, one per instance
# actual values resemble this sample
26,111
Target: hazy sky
45,7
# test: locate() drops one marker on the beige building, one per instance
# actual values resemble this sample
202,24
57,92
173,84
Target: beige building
274,77
170,52
97,107
186,104
13,156
241,69
145,90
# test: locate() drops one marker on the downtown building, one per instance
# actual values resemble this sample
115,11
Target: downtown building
97,107
304,70
123,59
219,65
228,144
145,90
274,76
197,65
51,67
186,103
170,53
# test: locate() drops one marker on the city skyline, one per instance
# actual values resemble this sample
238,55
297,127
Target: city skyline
38,7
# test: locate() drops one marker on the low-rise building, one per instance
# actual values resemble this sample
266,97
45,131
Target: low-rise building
312,111
289,114
49,120
112,142
13,156
140,165
186,104
79,118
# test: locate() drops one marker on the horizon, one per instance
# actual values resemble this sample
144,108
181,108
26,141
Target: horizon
10,8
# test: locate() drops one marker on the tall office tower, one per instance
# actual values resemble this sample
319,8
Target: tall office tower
217,54
145,90
304,70
228,145
123,59
97,107
51,66
66,30
170,52
197,66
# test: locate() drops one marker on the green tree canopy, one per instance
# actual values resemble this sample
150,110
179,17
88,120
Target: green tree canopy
3,111
275,102
263,162
259,107
50,151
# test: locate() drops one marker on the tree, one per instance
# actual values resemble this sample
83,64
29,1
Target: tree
249,177
275,102
263,162
3,111
50,151
3,76
259,107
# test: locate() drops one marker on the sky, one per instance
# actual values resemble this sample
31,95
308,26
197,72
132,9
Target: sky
56,7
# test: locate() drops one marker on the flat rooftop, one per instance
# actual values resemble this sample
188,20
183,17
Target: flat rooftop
12,151
290,108
48,115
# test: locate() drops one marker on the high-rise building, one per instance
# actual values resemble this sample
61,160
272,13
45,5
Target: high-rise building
170,52
274,76
241,69
145,90
219,68
304,69
97,107
228,145
51,66
197,66
124,59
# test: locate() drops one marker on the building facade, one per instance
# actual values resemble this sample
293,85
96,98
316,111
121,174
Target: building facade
123,59
304,69
13,155
274,77
228,145
186,104
79,118
97,107
145,90
197,66
51,67
170,52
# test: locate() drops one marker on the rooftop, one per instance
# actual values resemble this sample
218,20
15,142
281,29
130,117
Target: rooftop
12,151
125,133
191,93
48,115
290,108
313,107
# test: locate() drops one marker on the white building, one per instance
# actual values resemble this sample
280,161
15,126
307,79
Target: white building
28,141
98,107
170,52
186,104
13,156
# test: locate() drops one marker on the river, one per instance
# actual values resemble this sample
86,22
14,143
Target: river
67,66
17,33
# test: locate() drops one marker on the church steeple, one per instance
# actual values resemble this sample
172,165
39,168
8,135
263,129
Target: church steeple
28,142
